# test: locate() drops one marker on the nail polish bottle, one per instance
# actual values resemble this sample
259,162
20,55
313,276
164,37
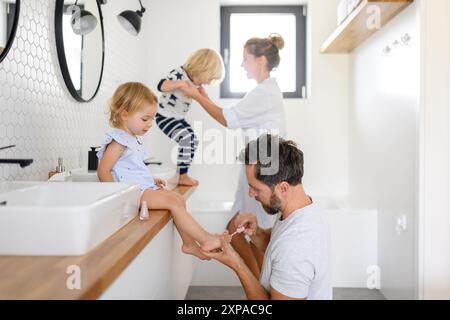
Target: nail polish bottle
143,215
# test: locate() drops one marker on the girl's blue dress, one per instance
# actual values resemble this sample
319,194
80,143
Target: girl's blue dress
130,167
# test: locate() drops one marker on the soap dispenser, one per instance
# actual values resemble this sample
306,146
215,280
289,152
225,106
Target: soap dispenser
59,168
92,159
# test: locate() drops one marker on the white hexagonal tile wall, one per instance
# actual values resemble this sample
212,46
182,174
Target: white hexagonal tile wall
37,113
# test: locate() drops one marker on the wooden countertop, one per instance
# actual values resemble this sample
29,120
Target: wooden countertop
45,277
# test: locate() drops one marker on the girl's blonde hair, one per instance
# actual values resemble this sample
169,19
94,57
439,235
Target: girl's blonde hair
206,65
129,97
269,47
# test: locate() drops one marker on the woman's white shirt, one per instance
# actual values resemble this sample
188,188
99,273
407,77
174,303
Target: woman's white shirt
260,111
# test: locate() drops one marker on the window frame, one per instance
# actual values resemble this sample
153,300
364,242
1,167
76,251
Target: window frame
300,12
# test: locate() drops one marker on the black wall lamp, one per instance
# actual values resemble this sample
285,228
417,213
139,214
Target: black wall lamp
82,21
132,20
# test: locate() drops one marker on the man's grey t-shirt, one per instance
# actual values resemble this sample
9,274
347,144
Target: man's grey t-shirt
297,259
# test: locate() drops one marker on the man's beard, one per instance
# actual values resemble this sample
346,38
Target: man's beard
274,205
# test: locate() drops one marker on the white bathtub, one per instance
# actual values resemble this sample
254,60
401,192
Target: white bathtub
353,240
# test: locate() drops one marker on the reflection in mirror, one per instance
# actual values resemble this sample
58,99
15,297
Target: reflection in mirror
9,15
80,46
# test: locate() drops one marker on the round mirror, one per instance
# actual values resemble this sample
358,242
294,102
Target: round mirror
9,16
80,46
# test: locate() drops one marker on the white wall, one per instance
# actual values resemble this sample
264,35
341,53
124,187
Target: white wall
319,124
384,145
37,112
434,161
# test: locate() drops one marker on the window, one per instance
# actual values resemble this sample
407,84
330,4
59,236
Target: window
240,23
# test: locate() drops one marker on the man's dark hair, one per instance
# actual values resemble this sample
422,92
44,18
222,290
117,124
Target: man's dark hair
270,151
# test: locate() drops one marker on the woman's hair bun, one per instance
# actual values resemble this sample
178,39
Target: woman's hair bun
277,40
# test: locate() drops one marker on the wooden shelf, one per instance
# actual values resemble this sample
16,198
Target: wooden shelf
353,30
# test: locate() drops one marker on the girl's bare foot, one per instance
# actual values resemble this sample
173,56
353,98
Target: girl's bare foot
185,180
228,236
194,249
212,243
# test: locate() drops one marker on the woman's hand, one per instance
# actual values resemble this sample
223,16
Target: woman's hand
248,221
160,183
199,95
191,91
202,92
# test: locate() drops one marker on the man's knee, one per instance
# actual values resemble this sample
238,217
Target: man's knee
231,226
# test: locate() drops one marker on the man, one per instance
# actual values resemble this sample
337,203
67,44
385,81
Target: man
293,255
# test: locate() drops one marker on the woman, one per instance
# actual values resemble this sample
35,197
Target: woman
260,111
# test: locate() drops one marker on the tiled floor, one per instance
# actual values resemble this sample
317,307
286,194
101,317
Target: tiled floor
236,293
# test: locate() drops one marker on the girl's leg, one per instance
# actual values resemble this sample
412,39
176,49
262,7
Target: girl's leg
190,230
189,246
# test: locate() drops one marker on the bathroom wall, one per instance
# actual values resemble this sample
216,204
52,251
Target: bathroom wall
319,124
434,163
384,146
36,111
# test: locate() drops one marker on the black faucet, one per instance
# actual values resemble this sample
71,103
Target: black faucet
149,163
21,162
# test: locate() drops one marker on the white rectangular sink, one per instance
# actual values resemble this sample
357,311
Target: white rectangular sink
62,218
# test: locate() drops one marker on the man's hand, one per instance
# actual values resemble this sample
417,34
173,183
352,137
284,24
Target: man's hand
248,221
228,256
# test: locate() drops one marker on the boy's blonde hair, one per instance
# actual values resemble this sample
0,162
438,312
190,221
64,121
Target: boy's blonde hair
129,97
206,65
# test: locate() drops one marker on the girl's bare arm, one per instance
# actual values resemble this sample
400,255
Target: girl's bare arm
112,153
